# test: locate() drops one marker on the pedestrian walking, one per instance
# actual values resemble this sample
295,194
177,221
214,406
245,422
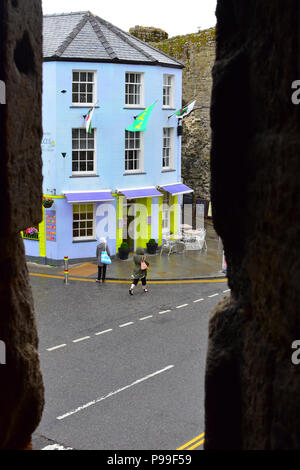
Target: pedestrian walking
139,270
103,258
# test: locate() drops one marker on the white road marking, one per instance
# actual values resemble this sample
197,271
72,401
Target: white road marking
228,290
146,318
198,300
180,306
214,295
80,339
102,332
126,324
114,393
56,347
56,447
164,311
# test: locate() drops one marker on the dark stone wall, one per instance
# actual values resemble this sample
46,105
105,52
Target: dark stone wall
252,387
21,391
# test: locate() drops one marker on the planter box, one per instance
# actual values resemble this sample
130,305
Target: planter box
123,254
151,248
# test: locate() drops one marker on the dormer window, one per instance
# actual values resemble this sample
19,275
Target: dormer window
83,88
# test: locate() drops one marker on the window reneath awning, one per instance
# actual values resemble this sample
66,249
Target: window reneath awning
177,188
88,196
139,192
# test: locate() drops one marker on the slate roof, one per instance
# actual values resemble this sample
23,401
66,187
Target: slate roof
83,36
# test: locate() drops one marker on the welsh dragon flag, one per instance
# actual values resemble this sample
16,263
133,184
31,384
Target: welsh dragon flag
88,120
181,113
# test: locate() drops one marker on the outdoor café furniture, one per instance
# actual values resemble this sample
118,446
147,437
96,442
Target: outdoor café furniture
195,239
171,243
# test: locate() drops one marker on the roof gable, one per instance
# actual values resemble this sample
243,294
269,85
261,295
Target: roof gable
84,36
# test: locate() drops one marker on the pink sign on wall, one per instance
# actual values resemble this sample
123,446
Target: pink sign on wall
51,226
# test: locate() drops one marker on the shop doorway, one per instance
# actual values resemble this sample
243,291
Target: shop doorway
129,229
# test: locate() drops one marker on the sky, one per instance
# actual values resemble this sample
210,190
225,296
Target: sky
176,17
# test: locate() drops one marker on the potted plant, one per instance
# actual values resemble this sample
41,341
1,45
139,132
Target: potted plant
123,251
47,202
152,246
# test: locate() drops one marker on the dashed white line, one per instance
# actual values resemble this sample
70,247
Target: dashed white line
103,332
213,295
114,393
56,347
181,306
56,447
164,311
126,324
80,339
228,290
146,318
198,300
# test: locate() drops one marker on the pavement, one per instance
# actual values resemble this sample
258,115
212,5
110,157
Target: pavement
180,265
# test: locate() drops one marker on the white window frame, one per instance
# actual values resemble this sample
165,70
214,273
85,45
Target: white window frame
140,154
95,88
171,148
166,214
171,90
142,90
87,237
94,150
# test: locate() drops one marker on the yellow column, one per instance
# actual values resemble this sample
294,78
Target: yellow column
119,223
149,212
160,208
174,214
42,236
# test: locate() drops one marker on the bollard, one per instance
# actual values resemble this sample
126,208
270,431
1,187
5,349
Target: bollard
66,269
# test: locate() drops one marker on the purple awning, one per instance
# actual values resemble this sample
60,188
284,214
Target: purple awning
138,193
177,188
93,196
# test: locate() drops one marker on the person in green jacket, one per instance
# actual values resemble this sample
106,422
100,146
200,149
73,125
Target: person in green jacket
139,274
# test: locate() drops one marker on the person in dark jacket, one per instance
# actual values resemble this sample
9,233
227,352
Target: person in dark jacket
138,273
101,266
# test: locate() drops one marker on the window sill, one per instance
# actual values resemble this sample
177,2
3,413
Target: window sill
134,173
85,176
85,241
134,107
169,108
167,170
84,106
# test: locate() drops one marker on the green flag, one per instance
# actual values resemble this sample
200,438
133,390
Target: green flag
140,123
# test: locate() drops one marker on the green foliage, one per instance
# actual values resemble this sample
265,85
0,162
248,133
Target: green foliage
124,246
178,46
152,241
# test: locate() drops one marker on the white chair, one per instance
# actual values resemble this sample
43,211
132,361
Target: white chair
167,245
200,238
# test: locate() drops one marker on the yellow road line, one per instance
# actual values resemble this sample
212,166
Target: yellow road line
196,445
192,281
191,442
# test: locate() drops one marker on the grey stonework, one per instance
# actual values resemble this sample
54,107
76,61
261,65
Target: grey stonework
148,34
197,52
21,391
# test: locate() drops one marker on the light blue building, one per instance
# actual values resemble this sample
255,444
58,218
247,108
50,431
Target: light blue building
110,182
